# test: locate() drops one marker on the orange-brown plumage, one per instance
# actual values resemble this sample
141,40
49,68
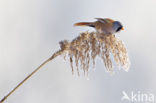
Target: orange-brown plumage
106,25
84,24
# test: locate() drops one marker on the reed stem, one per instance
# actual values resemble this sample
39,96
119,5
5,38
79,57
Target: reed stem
31,74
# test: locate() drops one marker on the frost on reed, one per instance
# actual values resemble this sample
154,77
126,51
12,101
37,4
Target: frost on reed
83,50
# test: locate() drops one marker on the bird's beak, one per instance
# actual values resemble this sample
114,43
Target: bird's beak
122,28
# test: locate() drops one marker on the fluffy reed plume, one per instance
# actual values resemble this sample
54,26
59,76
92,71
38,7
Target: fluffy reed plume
83,50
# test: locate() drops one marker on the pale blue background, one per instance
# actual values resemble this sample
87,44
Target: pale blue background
31,29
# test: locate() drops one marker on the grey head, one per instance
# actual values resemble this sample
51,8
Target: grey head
117,26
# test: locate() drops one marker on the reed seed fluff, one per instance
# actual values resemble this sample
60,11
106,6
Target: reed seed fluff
84,49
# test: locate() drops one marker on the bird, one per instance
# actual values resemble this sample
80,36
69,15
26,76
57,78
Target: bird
103,25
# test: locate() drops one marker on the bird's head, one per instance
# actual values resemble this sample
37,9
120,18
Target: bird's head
117,26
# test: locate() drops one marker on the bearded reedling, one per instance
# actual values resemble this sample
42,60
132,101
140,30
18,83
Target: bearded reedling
105,26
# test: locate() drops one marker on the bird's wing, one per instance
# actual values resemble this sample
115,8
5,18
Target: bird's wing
101,20
109,20
105,20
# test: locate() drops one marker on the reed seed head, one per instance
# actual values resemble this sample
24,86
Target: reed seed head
84,49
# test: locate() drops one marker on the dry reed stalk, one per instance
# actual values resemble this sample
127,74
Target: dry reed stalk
83,50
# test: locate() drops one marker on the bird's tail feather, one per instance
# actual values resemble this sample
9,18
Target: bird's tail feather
91,24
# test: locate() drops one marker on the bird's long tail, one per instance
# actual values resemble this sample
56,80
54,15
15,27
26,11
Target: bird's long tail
91,24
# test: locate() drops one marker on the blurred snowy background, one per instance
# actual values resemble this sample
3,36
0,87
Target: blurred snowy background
31,29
